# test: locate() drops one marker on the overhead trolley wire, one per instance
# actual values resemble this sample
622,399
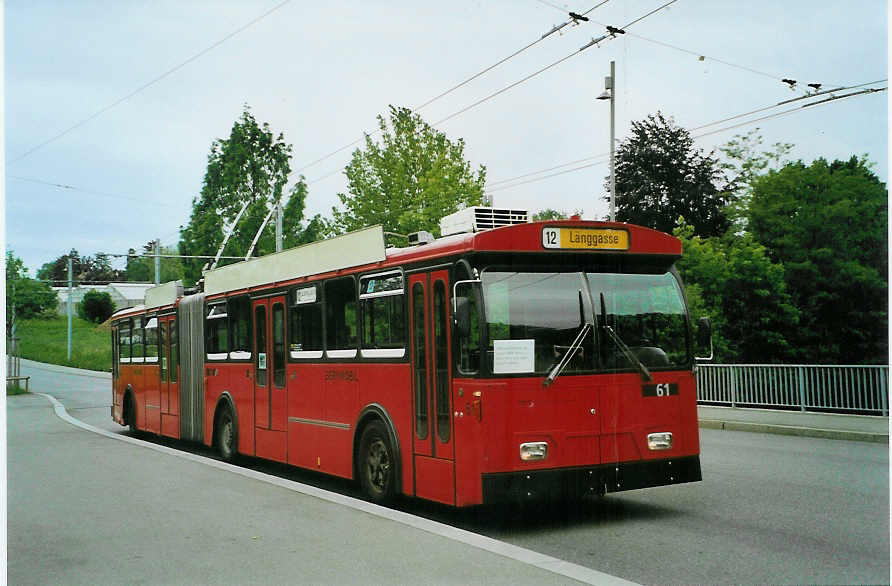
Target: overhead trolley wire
450,90
502,184
150,83
146,201
612,32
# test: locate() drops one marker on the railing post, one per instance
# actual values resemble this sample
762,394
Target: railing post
801,371
884,373
733,387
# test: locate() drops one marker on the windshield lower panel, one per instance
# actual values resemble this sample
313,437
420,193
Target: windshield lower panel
533,318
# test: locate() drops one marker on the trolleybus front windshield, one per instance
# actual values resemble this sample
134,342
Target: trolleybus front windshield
541,314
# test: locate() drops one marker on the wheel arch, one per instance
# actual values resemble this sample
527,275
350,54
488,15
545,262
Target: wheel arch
225,401
376,412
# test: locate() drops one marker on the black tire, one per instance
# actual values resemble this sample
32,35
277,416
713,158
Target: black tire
227,435
376,465
130,406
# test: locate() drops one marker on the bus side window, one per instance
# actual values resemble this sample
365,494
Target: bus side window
217,331
240,328
467,332
340,317
383,315
124,341
151,340
137,348
305,333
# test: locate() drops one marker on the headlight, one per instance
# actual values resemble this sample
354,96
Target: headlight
533,451
660,441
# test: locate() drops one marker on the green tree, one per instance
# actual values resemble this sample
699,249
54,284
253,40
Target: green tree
550,214
87,269
409,180
141,268
661,176
96,306
827,224
250,168
745,160
732,280
25,297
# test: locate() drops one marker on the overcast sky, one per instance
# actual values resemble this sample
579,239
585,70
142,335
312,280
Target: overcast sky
320,72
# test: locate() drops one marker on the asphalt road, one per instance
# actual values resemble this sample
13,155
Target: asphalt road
771,509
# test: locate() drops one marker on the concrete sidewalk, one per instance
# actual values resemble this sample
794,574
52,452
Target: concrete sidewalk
864,428
87,506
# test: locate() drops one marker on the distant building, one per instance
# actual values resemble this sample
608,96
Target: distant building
122,294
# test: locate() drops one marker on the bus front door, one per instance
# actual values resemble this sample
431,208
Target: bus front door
432,439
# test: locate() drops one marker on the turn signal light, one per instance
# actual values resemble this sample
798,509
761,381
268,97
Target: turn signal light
533,451
660,441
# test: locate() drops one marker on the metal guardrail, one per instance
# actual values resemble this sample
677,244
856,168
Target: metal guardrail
846,389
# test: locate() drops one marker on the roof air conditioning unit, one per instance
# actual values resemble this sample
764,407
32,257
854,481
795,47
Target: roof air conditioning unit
477,219
420,237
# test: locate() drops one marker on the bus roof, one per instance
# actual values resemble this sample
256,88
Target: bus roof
555,236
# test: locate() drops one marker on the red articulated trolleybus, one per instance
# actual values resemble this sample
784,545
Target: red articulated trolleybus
505,360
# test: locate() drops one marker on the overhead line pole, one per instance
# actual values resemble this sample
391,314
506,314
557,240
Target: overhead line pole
70,279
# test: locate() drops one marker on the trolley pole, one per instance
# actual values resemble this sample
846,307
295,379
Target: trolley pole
278,226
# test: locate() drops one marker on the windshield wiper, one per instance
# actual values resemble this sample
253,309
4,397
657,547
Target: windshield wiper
571,351
568,355
624,348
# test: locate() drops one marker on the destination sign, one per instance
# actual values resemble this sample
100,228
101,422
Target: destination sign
585,238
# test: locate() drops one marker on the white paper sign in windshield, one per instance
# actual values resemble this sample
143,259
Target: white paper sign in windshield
513,356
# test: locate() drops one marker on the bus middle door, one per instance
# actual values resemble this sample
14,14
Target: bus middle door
269,378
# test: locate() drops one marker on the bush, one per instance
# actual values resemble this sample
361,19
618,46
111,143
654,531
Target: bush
97,306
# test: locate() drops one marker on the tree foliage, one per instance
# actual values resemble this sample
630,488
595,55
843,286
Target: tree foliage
827,224
744,162
88,269
25,297
251,168
409,180
732,280
96,306
141,268
661,176
550,214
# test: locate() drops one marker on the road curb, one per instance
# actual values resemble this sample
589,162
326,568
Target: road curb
65,369
859,436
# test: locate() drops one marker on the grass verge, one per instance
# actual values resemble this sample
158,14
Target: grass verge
14,390
46,340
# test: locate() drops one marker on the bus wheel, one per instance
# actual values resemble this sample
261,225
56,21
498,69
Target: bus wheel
376,464
131,415
227,444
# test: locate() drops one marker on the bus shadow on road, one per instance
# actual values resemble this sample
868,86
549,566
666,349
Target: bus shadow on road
491,520
536,516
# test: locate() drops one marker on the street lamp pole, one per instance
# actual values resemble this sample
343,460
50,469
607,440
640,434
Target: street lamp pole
612,142
610,94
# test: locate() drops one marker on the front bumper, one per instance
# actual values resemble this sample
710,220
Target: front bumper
569,483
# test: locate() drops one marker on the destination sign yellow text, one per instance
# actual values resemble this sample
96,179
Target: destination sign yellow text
585,238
